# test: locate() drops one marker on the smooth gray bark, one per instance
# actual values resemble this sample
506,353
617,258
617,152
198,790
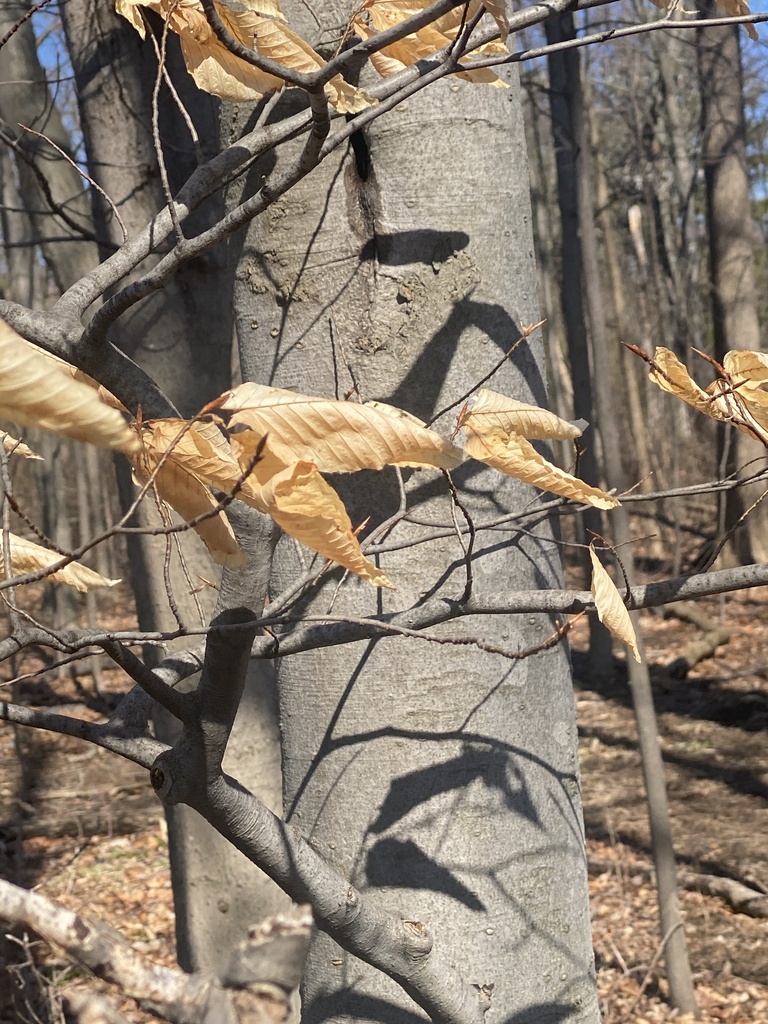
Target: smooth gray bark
446,782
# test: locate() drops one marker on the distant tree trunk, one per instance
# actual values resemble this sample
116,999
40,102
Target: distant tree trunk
571,298
26,99
677,120
676,956
732,243
543,201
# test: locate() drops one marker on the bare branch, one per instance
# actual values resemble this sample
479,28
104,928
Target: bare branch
268,964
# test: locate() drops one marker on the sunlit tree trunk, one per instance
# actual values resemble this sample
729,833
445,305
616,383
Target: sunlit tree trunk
441,778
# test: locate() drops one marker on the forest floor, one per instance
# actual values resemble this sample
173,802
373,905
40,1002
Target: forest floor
87,831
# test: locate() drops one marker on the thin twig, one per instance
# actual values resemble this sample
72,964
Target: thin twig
160,50
82,173
25,17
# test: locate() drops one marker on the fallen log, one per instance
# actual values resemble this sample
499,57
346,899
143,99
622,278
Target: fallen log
702,647
741,898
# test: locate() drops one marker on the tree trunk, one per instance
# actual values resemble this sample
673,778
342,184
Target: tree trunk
731,243
404,266
678,968
560,65
53,192
182,337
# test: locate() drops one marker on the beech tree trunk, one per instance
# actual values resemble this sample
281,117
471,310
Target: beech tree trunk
441,777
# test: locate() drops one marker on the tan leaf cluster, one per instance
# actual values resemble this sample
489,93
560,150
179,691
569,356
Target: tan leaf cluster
258,25
497,429
378,15
280,444
739,396
176,459
611,610
277,445
28,557
35,392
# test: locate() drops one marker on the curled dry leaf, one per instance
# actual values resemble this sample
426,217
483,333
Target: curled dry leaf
28,557
748,372
670,375
182,488
294,494
378,15
740,398
515,456
738,9
490,410
34,392
338,437
15,447
497,10
611,610
306,506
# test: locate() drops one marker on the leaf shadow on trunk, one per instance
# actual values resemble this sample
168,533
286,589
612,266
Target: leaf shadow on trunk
419,391
399,863
358,1006
476,762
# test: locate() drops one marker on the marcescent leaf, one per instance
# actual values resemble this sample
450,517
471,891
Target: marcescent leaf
514,455
611,610
28,557
338,437
34,392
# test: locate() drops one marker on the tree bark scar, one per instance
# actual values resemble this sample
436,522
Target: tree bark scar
362,155
363,201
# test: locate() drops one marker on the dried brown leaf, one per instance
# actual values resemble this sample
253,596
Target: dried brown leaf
178,483
338,437
490,410
306,506
514,455
259,25
28,557
384,14
673,377
611,610
15,447
34,392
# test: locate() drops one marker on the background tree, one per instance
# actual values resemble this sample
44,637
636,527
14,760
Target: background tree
731,248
